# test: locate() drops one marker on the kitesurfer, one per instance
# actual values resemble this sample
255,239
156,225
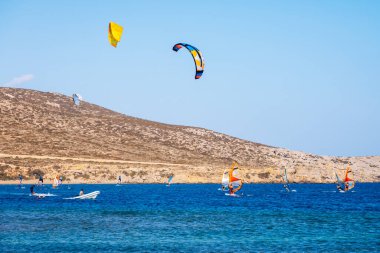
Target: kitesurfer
41,180
32,190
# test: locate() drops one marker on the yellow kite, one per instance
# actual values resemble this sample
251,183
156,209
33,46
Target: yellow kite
114,33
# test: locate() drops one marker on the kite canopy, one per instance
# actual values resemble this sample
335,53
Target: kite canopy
77,98
197,56
114,33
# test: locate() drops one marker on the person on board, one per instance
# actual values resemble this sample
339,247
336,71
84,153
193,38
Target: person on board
346,186
81,192
32,190
119,179
60,180
230,188
41,180
339,187
20,178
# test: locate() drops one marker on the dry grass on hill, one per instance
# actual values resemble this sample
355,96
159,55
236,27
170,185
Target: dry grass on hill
88,143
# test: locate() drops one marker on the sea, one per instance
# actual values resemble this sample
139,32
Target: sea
191,218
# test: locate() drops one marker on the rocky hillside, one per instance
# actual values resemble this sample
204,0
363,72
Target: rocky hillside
45,133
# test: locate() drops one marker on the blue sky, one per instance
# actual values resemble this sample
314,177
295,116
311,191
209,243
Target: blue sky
303,75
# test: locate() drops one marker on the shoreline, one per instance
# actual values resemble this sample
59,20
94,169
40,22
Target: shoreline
108,183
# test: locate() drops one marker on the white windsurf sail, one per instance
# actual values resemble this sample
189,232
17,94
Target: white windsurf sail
170,179
225,180
285,177
339,183
338,180
286,181
55,182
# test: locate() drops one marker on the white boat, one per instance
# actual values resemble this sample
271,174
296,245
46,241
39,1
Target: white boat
91,195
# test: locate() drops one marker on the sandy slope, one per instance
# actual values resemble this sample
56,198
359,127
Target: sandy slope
44,133
84,159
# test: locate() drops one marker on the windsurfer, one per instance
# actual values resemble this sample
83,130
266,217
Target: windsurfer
347,179
81,192
286,187
346,186
20,178
231,188
230,180
119,179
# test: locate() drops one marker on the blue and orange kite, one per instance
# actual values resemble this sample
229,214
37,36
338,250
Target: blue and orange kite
197,56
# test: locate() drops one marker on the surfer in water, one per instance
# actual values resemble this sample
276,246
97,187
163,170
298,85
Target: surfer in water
41,180
20,178
81,192
34,194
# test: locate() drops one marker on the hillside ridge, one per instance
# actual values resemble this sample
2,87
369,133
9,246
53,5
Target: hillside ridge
45,133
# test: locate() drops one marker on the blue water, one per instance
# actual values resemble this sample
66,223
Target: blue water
191,218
